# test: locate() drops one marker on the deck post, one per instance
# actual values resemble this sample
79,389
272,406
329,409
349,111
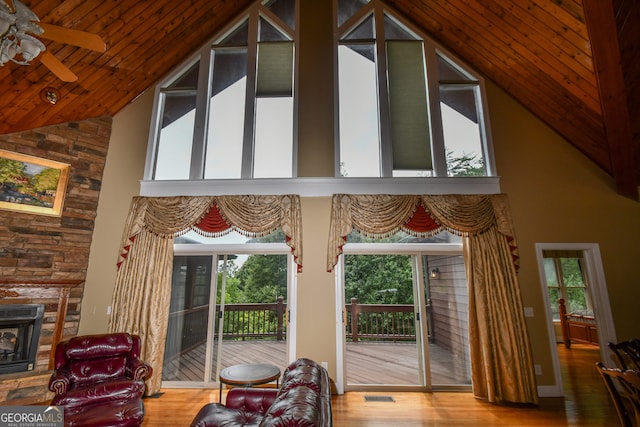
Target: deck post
354,319
280,317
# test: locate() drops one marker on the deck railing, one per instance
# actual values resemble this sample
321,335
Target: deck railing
380,322
375,322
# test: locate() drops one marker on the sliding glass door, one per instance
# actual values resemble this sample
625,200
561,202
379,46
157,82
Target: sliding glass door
447,309
226,309
382,328
406,316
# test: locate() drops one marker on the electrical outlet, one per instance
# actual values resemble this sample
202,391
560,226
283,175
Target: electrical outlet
528,312
325,365
537,369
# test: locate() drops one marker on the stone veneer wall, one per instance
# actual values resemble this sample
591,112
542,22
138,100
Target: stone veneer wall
37,248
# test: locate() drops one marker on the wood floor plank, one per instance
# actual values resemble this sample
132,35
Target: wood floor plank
586,403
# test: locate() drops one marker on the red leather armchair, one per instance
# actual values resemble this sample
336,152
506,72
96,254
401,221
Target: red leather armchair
99,380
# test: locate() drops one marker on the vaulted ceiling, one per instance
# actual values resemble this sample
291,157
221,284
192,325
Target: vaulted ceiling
575,64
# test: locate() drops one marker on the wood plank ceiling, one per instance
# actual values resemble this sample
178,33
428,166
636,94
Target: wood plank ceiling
553,56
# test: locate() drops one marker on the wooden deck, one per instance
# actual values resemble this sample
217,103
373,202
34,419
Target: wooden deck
379,363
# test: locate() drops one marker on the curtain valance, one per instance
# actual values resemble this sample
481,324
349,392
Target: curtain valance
252,216
382,216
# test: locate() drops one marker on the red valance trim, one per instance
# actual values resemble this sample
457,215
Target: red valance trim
421,221
125,252
514,252
213,222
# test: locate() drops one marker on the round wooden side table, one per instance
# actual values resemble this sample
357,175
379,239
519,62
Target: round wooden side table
248,375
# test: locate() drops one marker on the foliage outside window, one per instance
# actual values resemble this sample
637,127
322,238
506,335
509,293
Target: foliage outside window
566,279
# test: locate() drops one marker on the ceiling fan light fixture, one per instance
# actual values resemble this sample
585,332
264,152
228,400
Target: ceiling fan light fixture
19,25
16,45
8,51
30,47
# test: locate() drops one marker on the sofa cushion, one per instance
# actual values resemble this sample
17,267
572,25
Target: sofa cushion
97,346
304,376
102,392
215,414
300,406
85,372
251,399
118,413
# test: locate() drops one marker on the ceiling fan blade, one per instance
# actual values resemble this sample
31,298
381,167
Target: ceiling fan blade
73,37
57,67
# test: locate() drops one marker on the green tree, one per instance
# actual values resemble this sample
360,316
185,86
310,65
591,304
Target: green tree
11,171
465,165
376,279
263,278
46,180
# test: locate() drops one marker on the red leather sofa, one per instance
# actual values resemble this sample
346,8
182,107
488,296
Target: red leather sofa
304,398
99,380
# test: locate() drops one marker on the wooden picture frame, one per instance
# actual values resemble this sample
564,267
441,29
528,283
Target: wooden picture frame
31,184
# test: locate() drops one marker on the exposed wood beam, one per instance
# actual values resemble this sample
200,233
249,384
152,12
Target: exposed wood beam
605,47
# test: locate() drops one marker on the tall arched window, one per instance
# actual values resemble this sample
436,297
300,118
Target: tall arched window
406,108
229,114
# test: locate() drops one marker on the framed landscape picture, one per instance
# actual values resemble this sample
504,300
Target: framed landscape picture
31,184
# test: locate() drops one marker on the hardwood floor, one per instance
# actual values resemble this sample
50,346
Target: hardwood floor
586,403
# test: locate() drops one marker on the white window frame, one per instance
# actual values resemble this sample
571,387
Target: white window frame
431,49
412,249
307,186
205,57
215,250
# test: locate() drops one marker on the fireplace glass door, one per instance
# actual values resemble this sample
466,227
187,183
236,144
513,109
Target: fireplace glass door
20,326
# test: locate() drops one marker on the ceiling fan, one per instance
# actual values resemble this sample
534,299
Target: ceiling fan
18,25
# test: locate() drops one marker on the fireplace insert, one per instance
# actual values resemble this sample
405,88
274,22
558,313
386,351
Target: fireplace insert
20,326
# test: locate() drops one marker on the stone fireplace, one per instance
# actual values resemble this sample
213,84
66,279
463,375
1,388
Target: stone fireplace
42,313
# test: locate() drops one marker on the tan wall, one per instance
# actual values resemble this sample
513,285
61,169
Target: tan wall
122,173
557,195
316,333
315,88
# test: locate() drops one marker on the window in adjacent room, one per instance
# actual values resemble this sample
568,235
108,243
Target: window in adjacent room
565,277
406,108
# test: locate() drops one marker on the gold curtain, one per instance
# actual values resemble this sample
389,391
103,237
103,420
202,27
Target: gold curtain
502,366
143,282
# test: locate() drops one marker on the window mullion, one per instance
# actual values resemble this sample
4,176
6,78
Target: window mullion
386,148
559,277
198,150
438,154
248,146
154,135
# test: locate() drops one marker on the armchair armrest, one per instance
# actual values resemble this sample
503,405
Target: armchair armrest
138,369
251,399
59,382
